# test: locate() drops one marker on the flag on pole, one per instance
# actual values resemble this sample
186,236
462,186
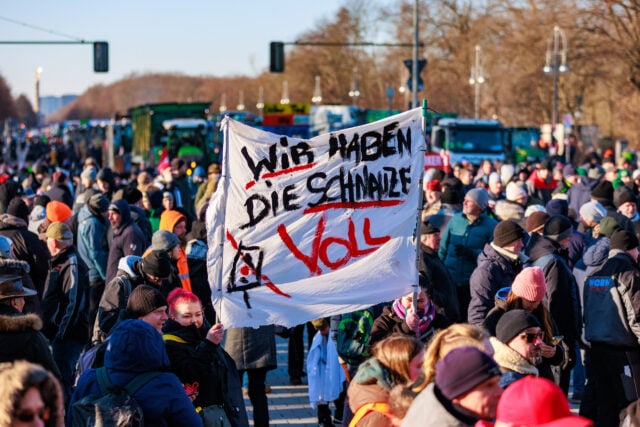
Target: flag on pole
301,229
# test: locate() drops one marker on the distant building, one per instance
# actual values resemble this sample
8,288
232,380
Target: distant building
49,104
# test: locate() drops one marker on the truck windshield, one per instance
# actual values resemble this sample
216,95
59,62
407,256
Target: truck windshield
475,140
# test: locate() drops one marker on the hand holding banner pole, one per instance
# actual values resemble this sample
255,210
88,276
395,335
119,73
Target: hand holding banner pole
419,212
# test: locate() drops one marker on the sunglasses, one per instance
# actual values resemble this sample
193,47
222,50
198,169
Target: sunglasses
28,416
530,337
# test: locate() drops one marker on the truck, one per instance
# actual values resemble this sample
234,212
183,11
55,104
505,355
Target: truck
471,140
181,130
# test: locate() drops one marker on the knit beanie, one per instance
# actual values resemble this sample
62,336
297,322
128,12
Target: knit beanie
603,191
536,221
19,209
557,207
534,208
58,211
622,195
132,195
163,240
143,300
157,263
462,369
507,232
623,240
479,196
530,284
607,226
557,228
513,322
434,185
569,170
515,191
593,212
99,203
89,173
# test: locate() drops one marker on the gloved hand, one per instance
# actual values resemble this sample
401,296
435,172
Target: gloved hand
413,321
464,252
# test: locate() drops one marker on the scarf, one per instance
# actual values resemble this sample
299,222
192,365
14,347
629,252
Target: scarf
426,315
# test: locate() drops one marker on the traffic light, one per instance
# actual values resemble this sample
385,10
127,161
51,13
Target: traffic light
409,64
277,57
100,57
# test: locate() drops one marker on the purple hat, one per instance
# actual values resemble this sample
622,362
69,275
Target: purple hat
462,369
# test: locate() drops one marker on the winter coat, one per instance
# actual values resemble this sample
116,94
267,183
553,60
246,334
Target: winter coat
20,338
22,269
494,272
473,236
27,247
116,294
180,186
441,284
370,384
252,348
168,222
196,252
200,366
140,217
127,240
512,365
431,408
61,193
562,296
136,348
540,188
92,244
594,257
614,320
65,302
443,216
580,193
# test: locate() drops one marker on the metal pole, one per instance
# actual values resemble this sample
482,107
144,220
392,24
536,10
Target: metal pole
476,75
554,118
416,288
414,71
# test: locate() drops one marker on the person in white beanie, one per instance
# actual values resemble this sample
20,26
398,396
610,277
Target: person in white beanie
514,205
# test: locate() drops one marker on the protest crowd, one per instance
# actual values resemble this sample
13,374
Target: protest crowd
528,297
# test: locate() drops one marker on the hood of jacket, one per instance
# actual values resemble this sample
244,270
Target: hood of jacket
541,246
169,219
597,253
135,346
511,360
15,265
86,212
11,221
372,372
12,321
125,215
127,265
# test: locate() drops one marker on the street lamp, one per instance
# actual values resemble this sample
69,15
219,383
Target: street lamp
354,93
285,93
36,104
260,103
317,92
240,106
556,64
223,103
476,79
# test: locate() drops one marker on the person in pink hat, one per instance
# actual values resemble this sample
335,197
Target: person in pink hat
536,402
527,293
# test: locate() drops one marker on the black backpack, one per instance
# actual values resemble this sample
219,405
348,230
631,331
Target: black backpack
115,406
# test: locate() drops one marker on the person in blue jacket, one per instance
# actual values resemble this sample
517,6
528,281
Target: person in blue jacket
135,348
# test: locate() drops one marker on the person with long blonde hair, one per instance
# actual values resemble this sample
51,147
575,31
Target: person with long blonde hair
396,359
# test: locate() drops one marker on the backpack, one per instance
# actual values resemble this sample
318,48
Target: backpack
354,334
115,406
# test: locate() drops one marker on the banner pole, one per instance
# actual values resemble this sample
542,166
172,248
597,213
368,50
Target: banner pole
419,210
225,179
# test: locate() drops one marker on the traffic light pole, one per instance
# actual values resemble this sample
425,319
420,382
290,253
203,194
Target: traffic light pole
415,71
100,50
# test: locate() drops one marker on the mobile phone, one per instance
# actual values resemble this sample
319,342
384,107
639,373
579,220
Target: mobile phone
557,339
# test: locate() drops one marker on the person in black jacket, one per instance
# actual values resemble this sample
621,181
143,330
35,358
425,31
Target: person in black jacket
549,252
20,336
611,304
208,375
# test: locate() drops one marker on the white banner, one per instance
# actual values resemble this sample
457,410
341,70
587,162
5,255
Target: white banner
301,229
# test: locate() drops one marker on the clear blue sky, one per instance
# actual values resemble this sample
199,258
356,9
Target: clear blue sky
194,37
